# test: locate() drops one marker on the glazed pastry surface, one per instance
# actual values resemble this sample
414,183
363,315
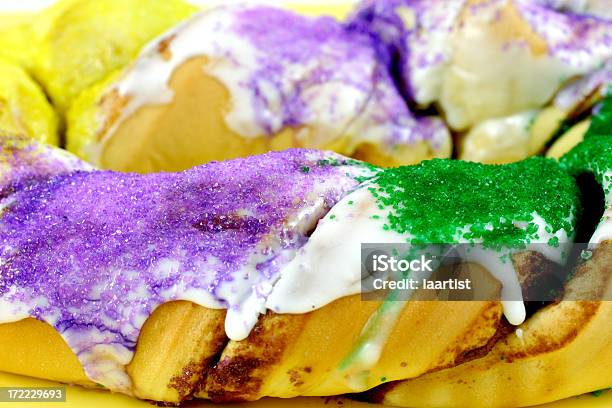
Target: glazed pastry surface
270,79
216,235
221,235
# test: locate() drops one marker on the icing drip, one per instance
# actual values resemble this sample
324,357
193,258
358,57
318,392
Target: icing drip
519,333
307,282
94,253
284,70
371,343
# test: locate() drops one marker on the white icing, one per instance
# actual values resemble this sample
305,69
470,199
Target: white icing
429,46
328,267
503,270
11,311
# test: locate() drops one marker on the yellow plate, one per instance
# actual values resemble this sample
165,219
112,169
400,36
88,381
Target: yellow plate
77,397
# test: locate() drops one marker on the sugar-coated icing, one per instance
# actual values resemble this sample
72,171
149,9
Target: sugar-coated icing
418,32
23,160
284,70
582,42
448,48
94,253
438,201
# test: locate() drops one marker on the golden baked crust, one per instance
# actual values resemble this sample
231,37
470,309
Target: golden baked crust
175,346
182,350
33,348
291,355
285,355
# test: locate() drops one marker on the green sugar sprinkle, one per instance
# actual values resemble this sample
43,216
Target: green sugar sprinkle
432,202
593,155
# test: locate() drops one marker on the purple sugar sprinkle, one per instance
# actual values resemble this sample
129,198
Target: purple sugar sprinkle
572,38
24,161
383,22
342,56
581,42
85,250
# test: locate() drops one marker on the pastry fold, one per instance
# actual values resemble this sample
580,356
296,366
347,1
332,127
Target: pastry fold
24,108
79,42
